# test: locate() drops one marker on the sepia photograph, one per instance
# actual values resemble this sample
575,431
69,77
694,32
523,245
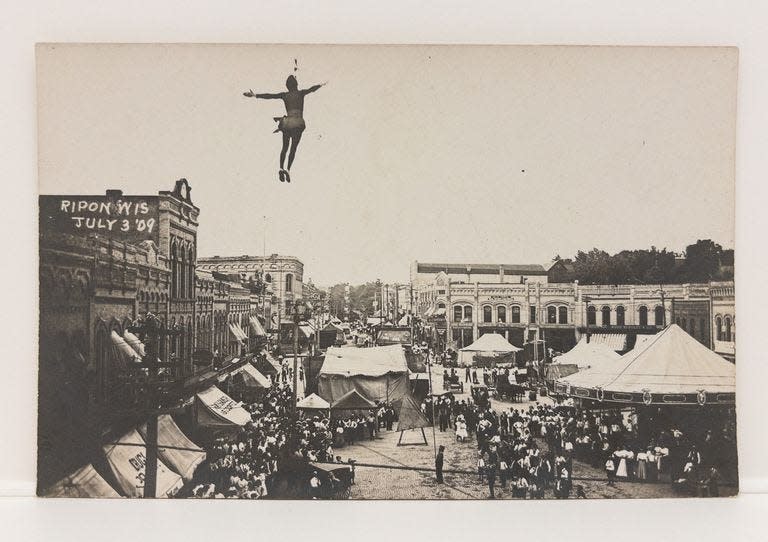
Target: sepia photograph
386,272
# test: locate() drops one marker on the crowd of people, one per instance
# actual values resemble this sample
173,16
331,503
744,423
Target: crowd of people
243,464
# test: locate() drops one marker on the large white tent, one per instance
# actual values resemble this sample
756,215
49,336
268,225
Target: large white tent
489,345
85,482
379,373
586,354
670,368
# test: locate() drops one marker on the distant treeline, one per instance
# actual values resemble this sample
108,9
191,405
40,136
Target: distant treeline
702,261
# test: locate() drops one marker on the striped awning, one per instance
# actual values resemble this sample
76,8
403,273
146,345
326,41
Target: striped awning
236,332
256,326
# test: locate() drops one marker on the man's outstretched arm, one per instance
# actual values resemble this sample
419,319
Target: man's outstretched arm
265,96
313,88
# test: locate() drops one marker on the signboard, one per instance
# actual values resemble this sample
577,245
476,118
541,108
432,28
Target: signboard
130,219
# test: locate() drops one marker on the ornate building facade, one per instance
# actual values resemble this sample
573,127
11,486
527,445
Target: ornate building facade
282,275
561,313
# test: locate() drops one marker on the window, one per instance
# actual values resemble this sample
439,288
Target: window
532,314
658,316
468,313
487,314
288,282
441,292
457,313
643,314
515,314
619,316
441,305
551,314
606,316
703,330
501,314
692,328
267,278
727,321
591,316
683,324
562,315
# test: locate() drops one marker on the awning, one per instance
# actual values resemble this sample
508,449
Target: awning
429,311
85,482
134,342
129,353
242,332
440,311
183,462
236,333
615,341
253,378
313,402
307,331
217,409
128,458
256,326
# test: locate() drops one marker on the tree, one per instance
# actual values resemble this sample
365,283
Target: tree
702,261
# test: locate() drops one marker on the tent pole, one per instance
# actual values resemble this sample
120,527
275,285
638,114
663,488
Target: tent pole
432,398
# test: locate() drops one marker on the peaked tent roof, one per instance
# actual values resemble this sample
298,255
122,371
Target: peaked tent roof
313,402
491,342
672,362
183,462
376,361
253,378
586,354
352,400
410,415
85,482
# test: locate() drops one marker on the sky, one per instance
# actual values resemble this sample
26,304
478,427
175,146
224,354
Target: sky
495,154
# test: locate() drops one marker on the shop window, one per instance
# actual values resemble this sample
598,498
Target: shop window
619,316
551,315
501,314
643,316
606,316
468,313
591,316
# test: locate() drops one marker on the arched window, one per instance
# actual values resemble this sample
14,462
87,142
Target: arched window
658,316
487,314
727,322
501,314
288,282
457,313
267,278
591,316
619,315
643,316
515,314
606,316
562,315
719,328
468,313
551,314
441,305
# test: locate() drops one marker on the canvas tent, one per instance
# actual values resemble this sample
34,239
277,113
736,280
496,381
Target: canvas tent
183,462
352,400
489,345
379,373
85,482
313,402
252,378
670,368
586,354
127,460
215,409
410,417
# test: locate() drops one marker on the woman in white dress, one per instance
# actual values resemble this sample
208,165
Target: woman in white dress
461,428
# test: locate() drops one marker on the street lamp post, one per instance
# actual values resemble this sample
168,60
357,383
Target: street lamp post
150,330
